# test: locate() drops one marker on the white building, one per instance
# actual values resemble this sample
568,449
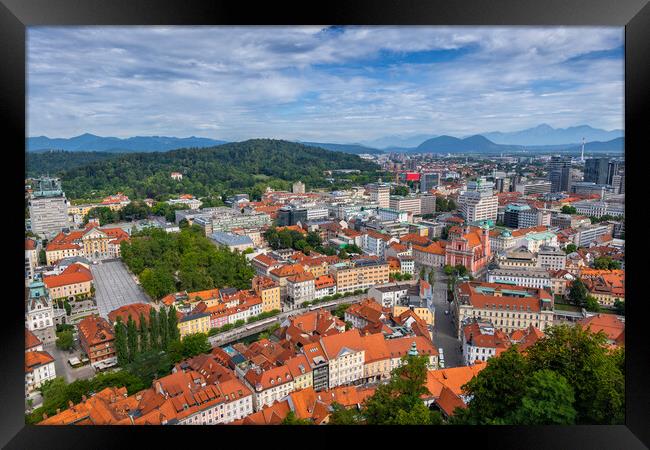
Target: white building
478,202
380,194
39,313
346,356
409,204
48,208
389,295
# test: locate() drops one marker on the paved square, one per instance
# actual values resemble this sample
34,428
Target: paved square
115,287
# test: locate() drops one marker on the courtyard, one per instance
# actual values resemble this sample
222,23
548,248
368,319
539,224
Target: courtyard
115,286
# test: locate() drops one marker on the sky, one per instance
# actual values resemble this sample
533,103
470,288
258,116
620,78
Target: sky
320,83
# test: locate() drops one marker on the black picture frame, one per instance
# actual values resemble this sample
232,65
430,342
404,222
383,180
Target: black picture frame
15,15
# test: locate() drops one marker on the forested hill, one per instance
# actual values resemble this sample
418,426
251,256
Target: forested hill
247,166
55,162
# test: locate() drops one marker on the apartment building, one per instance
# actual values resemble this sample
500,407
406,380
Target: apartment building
269,291
270,385
48,208
363,274
411,204
300,288
346,356
97,340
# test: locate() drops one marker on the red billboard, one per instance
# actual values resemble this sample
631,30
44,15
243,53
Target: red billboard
412,176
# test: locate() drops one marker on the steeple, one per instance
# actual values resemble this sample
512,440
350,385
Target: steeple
414,350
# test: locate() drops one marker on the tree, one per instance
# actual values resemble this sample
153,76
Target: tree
154,330
568,209
400,190
64,340
173,333
144,334
606,263
348,325
399,401
343,254
548,400
121,344
591,304
291,419
594,372
162,321
191,345
619,306
578,293
497,390
432,277
150,365
132,338
345,416
423,273
570,248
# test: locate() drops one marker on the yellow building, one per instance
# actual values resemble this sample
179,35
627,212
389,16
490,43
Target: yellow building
81,210
269,291
73,281
423,313
300,371
194,323
363,275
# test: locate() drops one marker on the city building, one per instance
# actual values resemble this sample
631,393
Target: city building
39,368
411,204
39,312
97,340
269,291
468,246
508,307
551,258
48,208
529,187
298,187
429,181
478,201
346,355
559,169
93,243
300,288
380,194
232,241
76,280
194,322
428,203
31,259
270,385
193,203
363,274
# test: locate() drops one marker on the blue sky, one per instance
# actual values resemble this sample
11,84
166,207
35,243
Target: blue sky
343,84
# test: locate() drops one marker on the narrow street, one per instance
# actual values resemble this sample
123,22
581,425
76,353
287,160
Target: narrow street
444,331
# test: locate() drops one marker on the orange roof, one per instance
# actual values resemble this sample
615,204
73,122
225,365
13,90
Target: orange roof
265,260
414,239
324,281
609,324
453,378
268,379
399,347
335,343
73,274
298,365
31,340
269,415
30,244
399,248
375,347
448,401
95,330
435,248
301,277
35,359
133,310
288,270
292,228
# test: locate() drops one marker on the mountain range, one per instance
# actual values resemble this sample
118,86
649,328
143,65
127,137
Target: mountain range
547,135
93,143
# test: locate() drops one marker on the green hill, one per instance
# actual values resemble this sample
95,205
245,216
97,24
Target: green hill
247,166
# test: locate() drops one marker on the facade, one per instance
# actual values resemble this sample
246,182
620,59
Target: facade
470,247
75,280
534,187
528,277
39,368
269,386
31,260
319,364
508,307
389,295
97,341
428,203
193,323
324,286
410,204
39,312
232,241
478,202
48,208
559,169
298,187
93,243
389,214
193,203
269,291
363,274
596,170
551,258
300,289
588,234
380,194
346,356
429,181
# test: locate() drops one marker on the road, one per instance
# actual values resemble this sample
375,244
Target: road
222,339
444,331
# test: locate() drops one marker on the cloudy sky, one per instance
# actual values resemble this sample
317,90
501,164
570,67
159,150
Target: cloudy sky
334,84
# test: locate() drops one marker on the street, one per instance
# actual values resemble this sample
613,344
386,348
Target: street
238,333
444,334
62,367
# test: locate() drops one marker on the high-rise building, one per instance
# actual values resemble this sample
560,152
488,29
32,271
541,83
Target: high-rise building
429,181
559,171
512,213
478,201
408,204
428,203
48,208
596,170
380,194
533,187
291,215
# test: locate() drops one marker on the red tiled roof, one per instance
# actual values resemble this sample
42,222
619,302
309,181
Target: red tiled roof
36,359
95,330
73,274
31,340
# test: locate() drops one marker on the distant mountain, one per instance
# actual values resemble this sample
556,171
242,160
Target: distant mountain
614,145
91,143
546,135
450,144
355,149
396,142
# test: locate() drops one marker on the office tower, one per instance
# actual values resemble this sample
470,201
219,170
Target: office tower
559,170
380,194
429,181
596,170
478,201
48,208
